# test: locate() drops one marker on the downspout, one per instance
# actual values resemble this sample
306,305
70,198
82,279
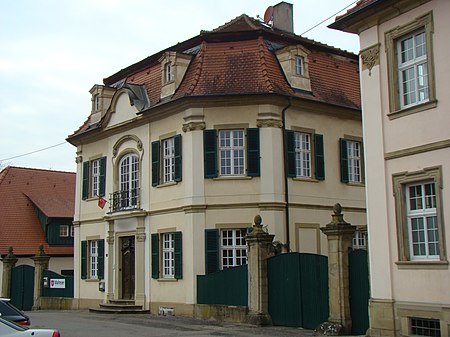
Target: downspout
286,182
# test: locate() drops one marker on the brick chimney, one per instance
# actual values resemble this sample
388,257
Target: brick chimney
283,18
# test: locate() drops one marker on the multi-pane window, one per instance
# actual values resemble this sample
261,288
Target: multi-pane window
359,240
64,231
97,102
354,161
93,259
302,154
72,231
231,152
425,327
129,181
95,177
413,69
422,221
169,159
168,72
299,65
168,257
233,247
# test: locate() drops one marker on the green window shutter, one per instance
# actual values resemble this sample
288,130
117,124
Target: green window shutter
102,181
101,259
155,163
85,191
344,160
253,158
178,254
155,256
83,260
210,153
178,163
211,250
290,153
319,158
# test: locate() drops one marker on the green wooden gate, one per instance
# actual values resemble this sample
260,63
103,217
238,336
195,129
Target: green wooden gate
298,289
226,287
359,291
57,285
22,287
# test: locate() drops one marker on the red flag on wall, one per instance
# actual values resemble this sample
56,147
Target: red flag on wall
101,202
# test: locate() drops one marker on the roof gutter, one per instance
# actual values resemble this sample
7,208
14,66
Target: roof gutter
342,22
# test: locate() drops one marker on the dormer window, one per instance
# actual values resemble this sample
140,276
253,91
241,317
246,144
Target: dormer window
168,72
96,103
299,65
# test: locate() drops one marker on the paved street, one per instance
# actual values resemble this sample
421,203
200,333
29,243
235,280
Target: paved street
86,324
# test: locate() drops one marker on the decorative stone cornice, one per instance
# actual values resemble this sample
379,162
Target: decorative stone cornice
194,126
269,123
122,140
79,159
370,57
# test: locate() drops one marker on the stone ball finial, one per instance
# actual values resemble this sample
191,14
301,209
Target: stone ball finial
41,251
337,209
258,220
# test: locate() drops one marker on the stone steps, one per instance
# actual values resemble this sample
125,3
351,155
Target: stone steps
119,307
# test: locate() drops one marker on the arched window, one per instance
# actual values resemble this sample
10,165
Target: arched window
128,182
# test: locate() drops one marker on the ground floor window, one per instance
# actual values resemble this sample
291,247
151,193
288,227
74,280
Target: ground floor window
233,247
167,258
92,259
425,327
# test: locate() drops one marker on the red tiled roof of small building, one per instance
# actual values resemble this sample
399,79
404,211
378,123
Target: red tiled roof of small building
23,189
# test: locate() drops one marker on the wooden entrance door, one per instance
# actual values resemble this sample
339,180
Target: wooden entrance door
127,253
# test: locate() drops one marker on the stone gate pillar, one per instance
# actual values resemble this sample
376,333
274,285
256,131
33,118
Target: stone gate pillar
40,264
9,261
258,242
340,235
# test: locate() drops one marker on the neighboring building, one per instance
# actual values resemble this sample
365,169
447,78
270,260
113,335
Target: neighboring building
405,88
36,208
187,146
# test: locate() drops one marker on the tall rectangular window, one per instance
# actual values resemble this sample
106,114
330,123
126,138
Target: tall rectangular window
299,65
93,259
168,72
168,257
95,176
413,69
231,152
302,154
169,159
354,161
233,247
422,221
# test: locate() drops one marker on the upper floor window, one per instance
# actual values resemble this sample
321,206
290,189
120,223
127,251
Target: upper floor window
128,182
64,231
94,177
231,152
413,69
305,155
96,102
359,240
410,67
299,65
168,73
166,160
351,161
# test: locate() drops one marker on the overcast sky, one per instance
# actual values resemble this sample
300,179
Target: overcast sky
54,51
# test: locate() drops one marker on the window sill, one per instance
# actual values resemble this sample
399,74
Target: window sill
306,179
233,178
167,280
92,280
356,184
170,183
422,265
412,110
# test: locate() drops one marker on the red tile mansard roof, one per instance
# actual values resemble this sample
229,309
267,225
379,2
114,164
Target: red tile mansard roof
238,58
21,191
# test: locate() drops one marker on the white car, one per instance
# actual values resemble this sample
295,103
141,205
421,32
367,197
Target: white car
10,329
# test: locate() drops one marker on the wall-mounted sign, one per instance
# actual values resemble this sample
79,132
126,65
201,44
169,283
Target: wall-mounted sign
58,283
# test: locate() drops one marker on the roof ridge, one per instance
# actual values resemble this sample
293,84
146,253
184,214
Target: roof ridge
262,59
227,24
37,169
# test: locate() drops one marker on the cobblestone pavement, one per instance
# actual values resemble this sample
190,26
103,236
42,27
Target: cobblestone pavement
86,324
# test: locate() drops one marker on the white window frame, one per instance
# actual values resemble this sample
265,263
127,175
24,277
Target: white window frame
354,161
93,259
168,255
299,65
95,177
64,231
72,231
413,71
425,210
96,102
303,161
359,240
233,248
129,180
232,152
168,72
169,160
